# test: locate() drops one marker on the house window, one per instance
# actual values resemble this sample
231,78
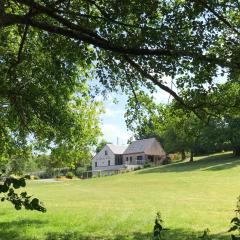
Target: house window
108,162
130,159
106,153
95,164
126,158
139,157
118,160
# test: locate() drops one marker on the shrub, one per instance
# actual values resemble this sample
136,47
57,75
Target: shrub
34,177
59,176
63,171
27,176
157,226
146,165
45,174
236,222
167,160
137,168
206,235
69,175
79,171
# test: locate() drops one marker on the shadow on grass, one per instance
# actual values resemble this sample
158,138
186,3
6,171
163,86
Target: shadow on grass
177,234
208,163
14,230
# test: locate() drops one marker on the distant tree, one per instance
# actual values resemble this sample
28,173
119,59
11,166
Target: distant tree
176,129
101,144
231,132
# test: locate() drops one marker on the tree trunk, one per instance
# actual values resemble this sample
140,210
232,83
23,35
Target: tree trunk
236,151
183,154
191,156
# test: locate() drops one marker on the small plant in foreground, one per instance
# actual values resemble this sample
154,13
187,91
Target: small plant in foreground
157,226
236,222
206,235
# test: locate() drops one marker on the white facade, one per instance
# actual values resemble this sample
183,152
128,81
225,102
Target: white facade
106,158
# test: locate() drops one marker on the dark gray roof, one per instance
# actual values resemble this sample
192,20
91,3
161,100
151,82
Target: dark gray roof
117,149
139,145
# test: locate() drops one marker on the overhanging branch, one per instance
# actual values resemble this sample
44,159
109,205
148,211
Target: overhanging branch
70,29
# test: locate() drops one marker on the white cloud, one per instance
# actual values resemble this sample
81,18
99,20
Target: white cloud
113,112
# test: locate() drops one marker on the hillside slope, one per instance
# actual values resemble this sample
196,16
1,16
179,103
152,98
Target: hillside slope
190,196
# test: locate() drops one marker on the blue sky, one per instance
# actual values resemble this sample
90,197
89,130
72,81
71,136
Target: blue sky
113,123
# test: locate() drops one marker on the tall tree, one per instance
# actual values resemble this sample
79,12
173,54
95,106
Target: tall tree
101,144
128,44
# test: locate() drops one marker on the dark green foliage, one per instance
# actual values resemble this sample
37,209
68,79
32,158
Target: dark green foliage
27,176
79,171
46,174
146,165
236,222
157,230
69,175
205,235
167,160
101,144
19,200
137,168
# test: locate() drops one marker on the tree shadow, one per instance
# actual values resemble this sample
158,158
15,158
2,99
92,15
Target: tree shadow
209,163
14,229
175,234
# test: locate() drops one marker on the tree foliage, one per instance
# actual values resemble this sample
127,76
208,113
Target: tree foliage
179,130
101,144
19,200
130,44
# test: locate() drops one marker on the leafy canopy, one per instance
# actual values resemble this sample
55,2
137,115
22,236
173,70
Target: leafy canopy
131,44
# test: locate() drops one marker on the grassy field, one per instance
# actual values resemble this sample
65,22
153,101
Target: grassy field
190,196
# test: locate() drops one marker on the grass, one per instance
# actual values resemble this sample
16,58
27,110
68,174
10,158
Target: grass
190,196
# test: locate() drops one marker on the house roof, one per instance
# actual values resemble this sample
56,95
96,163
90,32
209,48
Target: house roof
139,146
117,149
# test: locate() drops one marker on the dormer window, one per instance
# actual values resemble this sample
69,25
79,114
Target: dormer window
106,153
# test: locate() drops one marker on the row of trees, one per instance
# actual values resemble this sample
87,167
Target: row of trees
49,51
180,131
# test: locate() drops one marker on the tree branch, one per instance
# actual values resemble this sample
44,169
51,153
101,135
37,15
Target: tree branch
19,55
78,32
153,79
220,17
146,75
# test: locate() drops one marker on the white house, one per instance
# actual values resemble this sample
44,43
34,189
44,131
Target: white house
110,158
116,157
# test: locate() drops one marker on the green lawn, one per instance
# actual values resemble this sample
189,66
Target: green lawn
190,196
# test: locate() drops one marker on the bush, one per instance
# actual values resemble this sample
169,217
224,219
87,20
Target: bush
34,177
167,160
63,171
79,171
27,176
69,175
137,168
45,174
146,165
59,176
